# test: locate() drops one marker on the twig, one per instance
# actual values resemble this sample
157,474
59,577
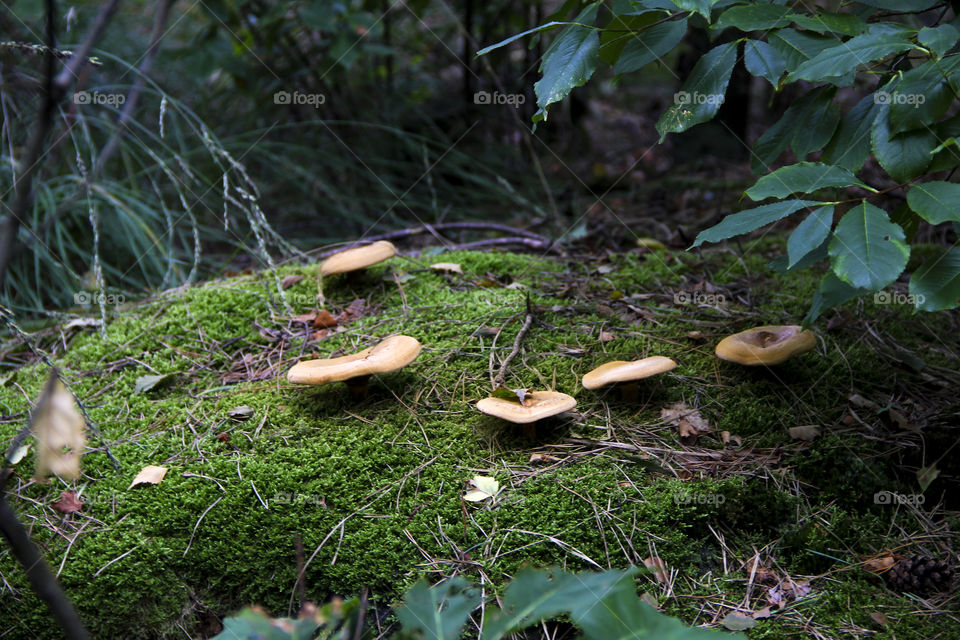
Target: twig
527,323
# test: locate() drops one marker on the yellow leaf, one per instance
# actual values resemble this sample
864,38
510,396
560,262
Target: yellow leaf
59,430
149,475
484,488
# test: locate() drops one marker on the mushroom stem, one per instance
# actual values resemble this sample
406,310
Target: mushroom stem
629,391
530,430
358,387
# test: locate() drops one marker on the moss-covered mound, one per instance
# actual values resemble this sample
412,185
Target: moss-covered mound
372,489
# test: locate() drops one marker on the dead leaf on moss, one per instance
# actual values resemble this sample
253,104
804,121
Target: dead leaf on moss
536,458
807,432
650,599
689,423
879,618
325,320
289,281
927,475
243,412
658,567
737,622
450,267
68,502
761,614
484,488
306,318
149,475
880,564
606,336
59,430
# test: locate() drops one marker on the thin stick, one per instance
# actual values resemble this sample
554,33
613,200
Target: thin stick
517,342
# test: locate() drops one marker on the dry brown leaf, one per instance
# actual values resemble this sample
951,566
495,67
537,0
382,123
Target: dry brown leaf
879,618
880,564
542,457
766,576
59,430
807,432
727,438
658,567
606,336
289,281
761,613
325,320
688,421
447,266
859,401
149,475
308,318
68,502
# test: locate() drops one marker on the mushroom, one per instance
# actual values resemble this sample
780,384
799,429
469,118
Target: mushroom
535,405
766,345
358,258
626,374
355,370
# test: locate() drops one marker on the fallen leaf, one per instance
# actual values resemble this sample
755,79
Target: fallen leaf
18,454
149,475
650,599
606,336
858,400
324,320
484,488
224,437
542,457
516,285
307,318
149,383
400,277
452,267
879,618
696,335
765,575
353,310
927,475
658,567
243,412
807,432
289,281
689,422
761,614
82,323
486,332
727,438
606,268
651,243
880,564
736,622
513,395
320,335
68,502
59,430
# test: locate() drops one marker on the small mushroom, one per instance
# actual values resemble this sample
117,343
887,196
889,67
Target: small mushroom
626,374
766,345
358,258
355,370
536,405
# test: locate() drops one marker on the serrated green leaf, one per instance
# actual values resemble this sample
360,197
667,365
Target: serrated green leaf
569,61
798,127
699,6
868,251
921,96
850,146
905,155
939,39
832,292
650,45
843,23
840,60
438,612
796,47
936,201
764,61
809,235
753,17
804,177
907,219
817,125
621,30
746,221
938,282
782,265
702,93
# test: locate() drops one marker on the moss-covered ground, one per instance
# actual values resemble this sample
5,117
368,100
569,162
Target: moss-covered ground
372,489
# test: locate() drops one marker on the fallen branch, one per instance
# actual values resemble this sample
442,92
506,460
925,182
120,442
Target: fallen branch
497,382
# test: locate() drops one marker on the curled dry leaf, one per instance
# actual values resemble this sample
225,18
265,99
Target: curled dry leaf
880,564
451,267
289,281
536,458
325,320
59,430
690,424
68,502
484,488
149,475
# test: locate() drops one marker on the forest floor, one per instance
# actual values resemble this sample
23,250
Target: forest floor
769,510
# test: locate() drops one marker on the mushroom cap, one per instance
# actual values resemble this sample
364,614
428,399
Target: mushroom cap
766,345
536,405
391,354
358,258
621,371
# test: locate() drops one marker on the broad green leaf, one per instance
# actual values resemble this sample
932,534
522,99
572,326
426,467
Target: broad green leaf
798,127
746,221
753,17
700,6
921,96
936,201
905,155
650,45
782,265
850,146
764,61
623,29
702,93
803,177
868,251
832,292
544,27
438,612
939,39
569,62
844,58
796,47
843,23
809,235
947,153
817,126
908,220
147,383
251,624
938,281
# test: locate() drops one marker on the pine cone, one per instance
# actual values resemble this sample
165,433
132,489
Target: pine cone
919,574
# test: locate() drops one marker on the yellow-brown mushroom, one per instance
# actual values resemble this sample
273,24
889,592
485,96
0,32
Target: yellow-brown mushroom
355,369
766,345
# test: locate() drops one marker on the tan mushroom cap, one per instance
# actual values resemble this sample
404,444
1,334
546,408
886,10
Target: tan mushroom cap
393,353
621,371
358,258
766,345
536,406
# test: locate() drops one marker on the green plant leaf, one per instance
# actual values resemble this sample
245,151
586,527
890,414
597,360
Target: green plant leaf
901,5
147,383
905,155
846,24
796,47
438,612
907,219
803,177
753,17
936,201
764,61
699,6
650,45
624,29
809,235
251,624
782,265
938,281
838,61
868,251
850,146
921,96
807,125
832,292
939,39
549,26
569,61
746,221
926,476
702,93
